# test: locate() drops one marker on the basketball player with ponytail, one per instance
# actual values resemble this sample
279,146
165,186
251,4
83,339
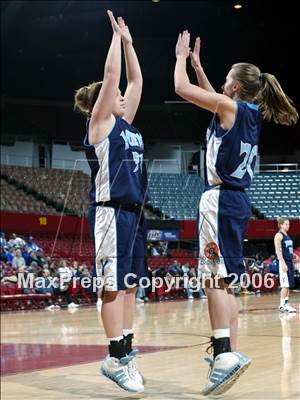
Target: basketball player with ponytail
114,149
248,96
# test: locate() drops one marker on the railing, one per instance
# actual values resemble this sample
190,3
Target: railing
186,155
14,159
278,167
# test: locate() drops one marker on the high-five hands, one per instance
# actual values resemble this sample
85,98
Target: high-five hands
126,36
195,54
183,45
116,28
119,27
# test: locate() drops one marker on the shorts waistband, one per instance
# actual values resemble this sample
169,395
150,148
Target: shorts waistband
133,207
225,187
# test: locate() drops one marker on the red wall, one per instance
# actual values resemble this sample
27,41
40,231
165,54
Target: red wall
50,225
257,229
42,224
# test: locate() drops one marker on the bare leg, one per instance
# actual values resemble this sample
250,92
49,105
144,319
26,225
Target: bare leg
112,313
284,293
129,308
234,319
218,306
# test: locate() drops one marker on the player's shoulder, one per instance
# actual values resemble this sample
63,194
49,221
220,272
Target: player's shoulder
279,235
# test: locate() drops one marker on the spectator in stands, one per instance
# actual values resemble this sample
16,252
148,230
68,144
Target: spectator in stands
3,242
48,287
258,264
65,280
164,248
75,269
149,249
18,260
249,95
32,244
3,254
175,269
187,273
156,251
38,257
16,241
10,254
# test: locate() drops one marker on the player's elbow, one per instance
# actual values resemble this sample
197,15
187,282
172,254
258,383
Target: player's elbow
181,88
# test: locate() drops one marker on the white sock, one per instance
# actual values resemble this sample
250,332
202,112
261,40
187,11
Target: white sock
127,332
282,302
221,333
115,339
286,300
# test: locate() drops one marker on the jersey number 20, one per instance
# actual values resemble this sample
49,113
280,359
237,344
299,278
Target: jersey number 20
245,166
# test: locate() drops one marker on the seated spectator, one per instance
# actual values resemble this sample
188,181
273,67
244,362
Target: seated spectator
3,242
156,251
16,241
32,244
3,254
175,269
18,260
48,287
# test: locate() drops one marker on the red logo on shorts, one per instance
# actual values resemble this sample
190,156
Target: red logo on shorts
211,251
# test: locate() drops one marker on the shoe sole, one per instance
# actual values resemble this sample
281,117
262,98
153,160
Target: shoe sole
226,385
104,373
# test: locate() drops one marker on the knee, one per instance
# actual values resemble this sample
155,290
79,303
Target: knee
109,297
131,291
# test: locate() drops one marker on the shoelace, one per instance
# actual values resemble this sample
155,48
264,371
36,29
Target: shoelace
210,348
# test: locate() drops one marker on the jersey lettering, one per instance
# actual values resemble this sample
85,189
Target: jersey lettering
245,166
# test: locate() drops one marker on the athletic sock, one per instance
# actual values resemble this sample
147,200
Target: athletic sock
128,337
221,341
117,347
282,302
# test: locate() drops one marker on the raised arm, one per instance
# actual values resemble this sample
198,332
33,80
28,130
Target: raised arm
196,64
133,72
102,118
211,101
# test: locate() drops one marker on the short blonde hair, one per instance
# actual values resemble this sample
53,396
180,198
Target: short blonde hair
281,221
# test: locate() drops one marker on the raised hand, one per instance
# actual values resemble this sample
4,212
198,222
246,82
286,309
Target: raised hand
126,36
183,45
114,24
195,54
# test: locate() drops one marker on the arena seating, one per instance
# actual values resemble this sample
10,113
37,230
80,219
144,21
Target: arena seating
15,200
176,195
65,188
276,194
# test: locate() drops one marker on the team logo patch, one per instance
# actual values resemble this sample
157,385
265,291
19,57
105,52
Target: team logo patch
211,251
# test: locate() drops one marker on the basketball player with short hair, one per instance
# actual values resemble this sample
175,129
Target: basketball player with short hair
231,150
284,252
114,149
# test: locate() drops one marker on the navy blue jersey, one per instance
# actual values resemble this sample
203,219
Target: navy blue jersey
287,247
231,155
117,169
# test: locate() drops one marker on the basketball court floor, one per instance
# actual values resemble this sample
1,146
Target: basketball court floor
56,355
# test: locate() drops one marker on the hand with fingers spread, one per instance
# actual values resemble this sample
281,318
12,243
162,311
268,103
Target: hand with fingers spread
195,54
183,45
125,34
116,28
